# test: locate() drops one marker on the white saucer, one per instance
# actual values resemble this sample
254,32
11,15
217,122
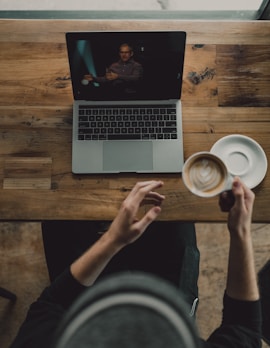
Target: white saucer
243,156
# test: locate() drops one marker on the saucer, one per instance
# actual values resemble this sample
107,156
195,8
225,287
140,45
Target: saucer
243,156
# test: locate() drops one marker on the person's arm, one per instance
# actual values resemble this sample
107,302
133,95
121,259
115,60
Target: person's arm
44,315
135,75
241,322
241,278
125,229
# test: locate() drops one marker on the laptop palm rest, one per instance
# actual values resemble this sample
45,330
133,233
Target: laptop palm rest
131,156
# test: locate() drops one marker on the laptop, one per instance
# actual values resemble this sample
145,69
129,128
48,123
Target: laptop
127,113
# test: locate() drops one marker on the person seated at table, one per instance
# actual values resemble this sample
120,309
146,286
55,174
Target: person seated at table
167,249
123,75
241,324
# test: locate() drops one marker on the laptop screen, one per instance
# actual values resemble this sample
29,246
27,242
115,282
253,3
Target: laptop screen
126,65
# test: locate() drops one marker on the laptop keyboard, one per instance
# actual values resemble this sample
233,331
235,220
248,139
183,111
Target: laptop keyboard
127,122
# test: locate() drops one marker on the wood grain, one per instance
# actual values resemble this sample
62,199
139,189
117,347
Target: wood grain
243,75
226,85
27,173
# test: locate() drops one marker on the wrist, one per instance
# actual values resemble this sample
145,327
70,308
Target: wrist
112,241
240,232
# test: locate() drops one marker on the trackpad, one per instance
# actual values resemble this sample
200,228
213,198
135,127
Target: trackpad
130,156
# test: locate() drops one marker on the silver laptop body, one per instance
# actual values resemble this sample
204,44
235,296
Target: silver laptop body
131,126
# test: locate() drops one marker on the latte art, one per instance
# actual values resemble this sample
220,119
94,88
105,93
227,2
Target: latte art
206,175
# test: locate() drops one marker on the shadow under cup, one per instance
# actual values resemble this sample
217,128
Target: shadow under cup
206,175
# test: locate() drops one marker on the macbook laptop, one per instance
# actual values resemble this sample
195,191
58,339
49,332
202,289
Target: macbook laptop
127,114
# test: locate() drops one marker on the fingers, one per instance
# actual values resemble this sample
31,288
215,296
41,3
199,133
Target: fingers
144,190
149,217
142,193
111,76
240,196
88,77
153,198
228,199
244,197
127,227
238,192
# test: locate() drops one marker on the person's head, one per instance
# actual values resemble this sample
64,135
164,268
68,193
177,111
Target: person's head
128,310
125,52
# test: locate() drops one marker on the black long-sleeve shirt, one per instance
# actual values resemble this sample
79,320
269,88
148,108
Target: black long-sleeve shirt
240,328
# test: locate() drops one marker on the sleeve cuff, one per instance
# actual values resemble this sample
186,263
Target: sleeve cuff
64,290
246,313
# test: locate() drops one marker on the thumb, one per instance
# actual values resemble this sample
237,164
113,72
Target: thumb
238,191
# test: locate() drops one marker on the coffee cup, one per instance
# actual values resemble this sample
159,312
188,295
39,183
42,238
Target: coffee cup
206,175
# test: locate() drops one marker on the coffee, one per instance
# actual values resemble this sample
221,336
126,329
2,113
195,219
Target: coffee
205,174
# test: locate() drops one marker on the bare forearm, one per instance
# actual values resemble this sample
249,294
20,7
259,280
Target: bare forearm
88,267
242,279
125,229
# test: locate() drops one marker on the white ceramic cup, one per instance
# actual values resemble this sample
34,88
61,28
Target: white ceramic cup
206,175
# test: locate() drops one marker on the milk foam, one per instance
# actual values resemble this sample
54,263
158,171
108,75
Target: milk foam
205,175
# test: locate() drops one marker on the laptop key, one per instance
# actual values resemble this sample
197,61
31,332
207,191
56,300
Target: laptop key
124,136
169,130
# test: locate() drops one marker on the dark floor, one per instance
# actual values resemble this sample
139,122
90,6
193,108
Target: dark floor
23,271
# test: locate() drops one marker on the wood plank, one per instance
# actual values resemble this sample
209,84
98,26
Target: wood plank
27,173
25,167
243,75
199,32
35,79
34,117
199,76
97,204
27,184
48,118
226,120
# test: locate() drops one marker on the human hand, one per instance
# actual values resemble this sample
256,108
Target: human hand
239,203
111,76
88,77
127,227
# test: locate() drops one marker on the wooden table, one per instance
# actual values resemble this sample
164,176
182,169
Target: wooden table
226,90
